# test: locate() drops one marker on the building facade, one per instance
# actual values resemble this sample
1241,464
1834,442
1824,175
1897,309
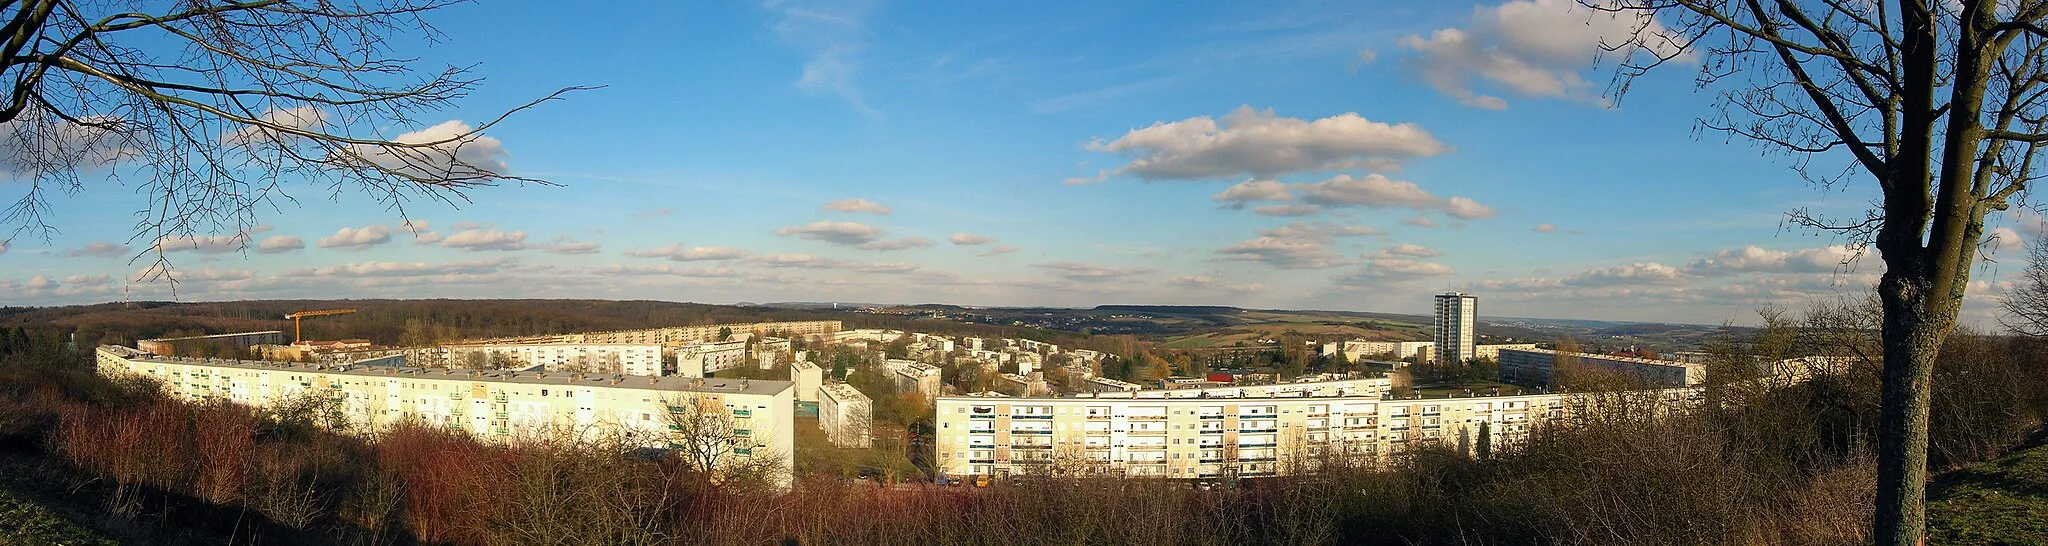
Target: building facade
173,346
808,377
704,359
845,414
1226,437
1539,366
1457,313
754,417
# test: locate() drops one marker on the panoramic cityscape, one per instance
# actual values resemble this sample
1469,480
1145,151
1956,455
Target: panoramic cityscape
793,272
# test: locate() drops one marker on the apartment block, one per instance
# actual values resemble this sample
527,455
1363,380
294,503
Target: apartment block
1457,313
704,359
680,335
845,414
808,377
171,346
589,358
1020,385
1359,350
1537,366
923,379
1225,437
1493,351
1369,387
1104,384
492,405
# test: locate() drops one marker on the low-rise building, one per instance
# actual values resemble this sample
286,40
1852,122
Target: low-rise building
1104,384
923,379
1022,386
752,419
845,414
218,343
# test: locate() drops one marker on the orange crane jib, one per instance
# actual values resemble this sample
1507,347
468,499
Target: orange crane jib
303,314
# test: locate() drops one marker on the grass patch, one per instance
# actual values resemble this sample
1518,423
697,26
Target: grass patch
25,522
1999,502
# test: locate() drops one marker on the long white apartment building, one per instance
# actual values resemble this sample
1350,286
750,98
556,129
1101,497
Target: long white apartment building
1103,385
1225,437
1368,387
679,335
493,405
845,414
1538,366
1355,350
592,358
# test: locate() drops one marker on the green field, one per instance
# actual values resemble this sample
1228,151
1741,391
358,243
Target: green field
1999,502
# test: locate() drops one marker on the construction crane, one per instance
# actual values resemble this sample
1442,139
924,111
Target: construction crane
303,314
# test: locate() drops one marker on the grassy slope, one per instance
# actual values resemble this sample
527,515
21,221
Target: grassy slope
23,521
1999,502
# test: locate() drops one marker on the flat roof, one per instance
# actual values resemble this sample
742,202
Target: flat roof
669,383
236,334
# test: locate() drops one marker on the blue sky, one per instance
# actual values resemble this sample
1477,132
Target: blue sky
1340,155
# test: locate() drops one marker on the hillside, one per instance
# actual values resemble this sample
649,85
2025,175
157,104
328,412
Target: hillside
1999,502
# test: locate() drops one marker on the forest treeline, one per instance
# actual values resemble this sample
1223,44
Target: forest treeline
393,322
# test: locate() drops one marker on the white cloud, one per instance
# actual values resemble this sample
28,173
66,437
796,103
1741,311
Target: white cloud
999,250
566,245
356,239
1287,210
1532,48
1262,144
970,239
1079,271
1086,180
280,243
42,282
461,153
1420,221
1828,259
1295,246
845,233
1253,191
856,205
665,269
304,117
486,239
36,142
812,261
203,244
1374,190
1412,251
99,249
1467,209
898,244
1636,273
1544,228
401,269
833,35
677,252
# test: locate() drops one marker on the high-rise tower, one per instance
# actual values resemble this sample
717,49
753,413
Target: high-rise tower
1455,314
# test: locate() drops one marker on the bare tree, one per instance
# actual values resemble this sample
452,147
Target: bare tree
214,105
1940,103
2026,303
717,446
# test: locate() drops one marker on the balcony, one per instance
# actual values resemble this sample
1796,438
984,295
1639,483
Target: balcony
981,416
1035,432
1047,417
1257,430
1031,446
1212,417
1268,444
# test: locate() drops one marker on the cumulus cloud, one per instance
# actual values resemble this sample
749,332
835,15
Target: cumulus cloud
1420,221
1287,210
1635,273
1466,209
999,250
970,239
255,138
898,244
857,205
450,150
36,142
477,240
1544,228
1294,246
665,269
98,249
844,233
203,244
1262,144
677,252
1532,48
402,269
1828,259
1250,191
1372,190
42,282
1411,250
1086,180
276,244
355,239
1079,271
811,261
566,245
